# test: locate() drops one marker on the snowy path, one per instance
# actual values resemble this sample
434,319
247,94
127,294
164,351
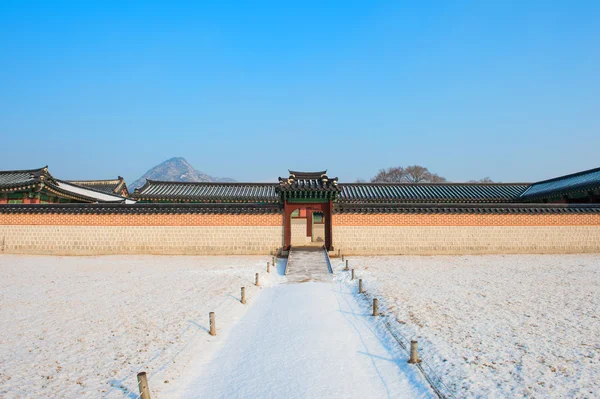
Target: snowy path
308,340
307,264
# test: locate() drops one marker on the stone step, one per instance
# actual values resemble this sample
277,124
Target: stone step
307,264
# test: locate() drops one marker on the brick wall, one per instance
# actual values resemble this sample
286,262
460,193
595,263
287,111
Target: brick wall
193,234
318,232
299,232
422,234
205,234
570,219
57,219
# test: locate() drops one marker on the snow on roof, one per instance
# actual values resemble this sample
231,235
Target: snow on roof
89,193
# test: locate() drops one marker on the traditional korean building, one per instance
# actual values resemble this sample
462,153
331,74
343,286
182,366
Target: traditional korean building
112,186
304,194
38,186
559,215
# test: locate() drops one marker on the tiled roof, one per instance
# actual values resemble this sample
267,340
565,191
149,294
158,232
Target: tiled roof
573,184
308,182
207,192
348,193
533,209
86,194
41,180
430,192
307,175
141,209
121,208
21,179
113,186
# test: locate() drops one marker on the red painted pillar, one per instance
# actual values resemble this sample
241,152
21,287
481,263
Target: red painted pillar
328,225
309,223
287,228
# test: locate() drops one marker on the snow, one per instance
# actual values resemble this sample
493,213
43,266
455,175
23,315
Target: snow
491,326
81,327
496,326
310,340
90,193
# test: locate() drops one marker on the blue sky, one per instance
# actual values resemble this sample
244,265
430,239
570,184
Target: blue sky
248,89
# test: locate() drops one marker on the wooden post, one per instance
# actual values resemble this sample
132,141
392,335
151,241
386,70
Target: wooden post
375,307
339,252
243,295
213,325
274,262
414,353
268,267
342,258
346,265
143,385
257,283
360,287
352,274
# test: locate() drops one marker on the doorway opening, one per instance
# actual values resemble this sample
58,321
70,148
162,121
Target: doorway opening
307,224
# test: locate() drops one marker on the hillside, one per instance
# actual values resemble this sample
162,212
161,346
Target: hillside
176,169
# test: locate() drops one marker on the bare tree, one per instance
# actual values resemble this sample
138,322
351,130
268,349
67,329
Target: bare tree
390,175
484,180
417,174
409,174
435,178
359,180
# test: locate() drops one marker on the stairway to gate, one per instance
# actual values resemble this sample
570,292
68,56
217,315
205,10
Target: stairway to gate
307,264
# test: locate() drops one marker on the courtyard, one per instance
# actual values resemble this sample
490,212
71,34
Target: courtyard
512,325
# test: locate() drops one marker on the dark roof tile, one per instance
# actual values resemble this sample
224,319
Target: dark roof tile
430,192
111,186
12,179
581,182
207,192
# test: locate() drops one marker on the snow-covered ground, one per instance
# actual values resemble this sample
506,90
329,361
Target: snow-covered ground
496,326
492,326
82,327
306,340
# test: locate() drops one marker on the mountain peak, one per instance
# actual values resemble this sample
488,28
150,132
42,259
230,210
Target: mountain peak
175,169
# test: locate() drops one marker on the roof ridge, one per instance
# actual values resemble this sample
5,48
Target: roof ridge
89,188
435,184
211,183
25,170
583,172
111,181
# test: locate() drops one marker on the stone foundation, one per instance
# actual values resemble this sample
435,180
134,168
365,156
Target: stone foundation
437,234
158,240
460,240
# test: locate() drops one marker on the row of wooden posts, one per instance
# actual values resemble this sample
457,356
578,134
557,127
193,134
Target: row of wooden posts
414,348
414,352
142,377
211,315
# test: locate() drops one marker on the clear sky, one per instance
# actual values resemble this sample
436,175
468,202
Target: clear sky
506,89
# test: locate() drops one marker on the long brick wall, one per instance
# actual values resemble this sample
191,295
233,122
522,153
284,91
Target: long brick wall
366,234
58,219
431,234
186,234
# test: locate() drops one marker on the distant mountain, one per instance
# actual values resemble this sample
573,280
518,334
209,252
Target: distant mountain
176,169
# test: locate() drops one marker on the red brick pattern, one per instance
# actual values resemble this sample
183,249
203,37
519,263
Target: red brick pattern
466,220
277,220
141,220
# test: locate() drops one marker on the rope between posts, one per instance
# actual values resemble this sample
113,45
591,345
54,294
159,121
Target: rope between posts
399,338
433,379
